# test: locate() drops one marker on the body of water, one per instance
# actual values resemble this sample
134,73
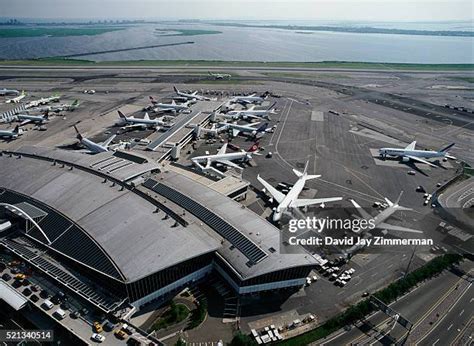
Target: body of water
255,44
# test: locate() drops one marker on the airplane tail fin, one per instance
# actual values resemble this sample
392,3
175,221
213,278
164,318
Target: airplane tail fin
16,130
397,202
254,148
152,100
445,149
271,106
75,103
78,136
175,89
121,115
46,115
262,127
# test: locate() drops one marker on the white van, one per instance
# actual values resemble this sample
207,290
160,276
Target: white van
47,304
60,313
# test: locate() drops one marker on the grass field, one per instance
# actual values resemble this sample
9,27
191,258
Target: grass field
54,32
258,64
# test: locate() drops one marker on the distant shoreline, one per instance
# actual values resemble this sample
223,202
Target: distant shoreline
352,30
240,64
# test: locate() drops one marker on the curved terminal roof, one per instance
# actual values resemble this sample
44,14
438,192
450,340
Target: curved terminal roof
105,225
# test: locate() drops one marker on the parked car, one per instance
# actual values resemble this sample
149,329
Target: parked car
75,314
97,327
44,294
6,277
34,298
26,291
97,337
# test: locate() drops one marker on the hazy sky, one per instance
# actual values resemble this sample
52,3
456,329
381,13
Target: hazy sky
374,10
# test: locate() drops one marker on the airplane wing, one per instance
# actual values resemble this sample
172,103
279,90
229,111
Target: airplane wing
389,227
419,159
222,150
134,126
108,141
228,163
279,196
411,146
146,117
306,202
25,122
361,210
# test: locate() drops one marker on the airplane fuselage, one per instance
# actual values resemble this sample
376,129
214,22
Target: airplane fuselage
228,156
416,153
94,147
32,118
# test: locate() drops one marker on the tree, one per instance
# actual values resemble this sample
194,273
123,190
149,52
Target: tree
241,339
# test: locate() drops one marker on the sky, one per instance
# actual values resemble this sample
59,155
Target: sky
356,10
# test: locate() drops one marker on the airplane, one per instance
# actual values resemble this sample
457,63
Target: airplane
249,129
43,101
251,113
245,100
5,92
220,75
410,153
170,107
193,96
145,123
95,148
17,99
224,158
10,134
58,108
36,119
291,200
212,132
379,220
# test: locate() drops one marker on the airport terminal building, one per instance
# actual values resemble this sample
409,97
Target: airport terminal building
118,228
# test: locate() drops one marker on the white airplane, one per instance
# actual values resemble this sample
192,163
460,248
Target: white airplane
94,148
43,101
36,119
212,132
251,113
245,100
58,108
170,107
251,129
220,75
224,158
192,96
379,220
291,200
145,123
11,134
17,99
5,92
410,153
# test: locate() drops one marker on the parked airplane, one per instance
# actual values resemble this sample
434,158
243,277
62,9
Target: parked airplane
5,92
170,107
410,153
291,200
245,100
43,101
379,220
251,113
250,129
225,158
220,75
58,108
17,99
192,96
36,119
10,134
145,123
212,132
92,146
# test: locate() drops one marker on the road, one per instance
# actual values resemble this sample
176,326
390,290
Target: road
454,323
412,306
